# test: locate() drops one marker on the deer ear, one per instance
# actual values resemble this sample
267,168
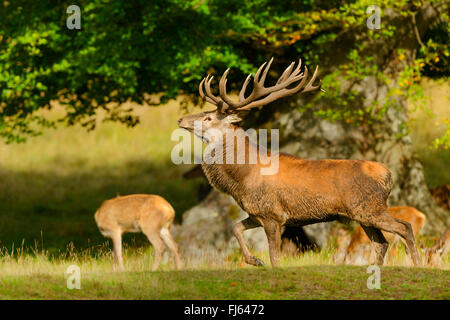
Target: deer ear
233,118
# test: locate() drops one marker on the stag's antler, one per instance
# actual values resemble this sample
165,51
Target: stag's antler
279,90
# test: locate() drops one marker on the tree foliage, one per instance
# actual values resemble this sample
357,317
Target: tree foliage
129,50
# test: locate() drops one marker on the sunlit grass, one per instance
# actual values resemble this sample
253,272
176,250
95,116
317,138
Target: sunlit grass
99,260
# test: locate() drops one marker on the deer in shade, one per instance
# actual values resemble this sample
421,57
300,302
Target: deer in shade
359,249
147,213
434,255
301,191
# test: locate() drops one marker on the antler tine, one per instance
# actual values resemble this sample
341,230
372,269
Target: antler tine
200,90
297,69
255,79
304,77
309,86
223,89
286,73
202,94
244,87
207,84
293,76
266,70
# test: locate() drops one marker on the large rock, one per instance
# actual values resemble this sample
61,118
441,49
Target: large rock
208,227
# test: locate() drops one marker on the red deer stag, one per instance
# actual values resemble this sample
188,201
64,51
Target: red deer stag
147,213
359,249
302,191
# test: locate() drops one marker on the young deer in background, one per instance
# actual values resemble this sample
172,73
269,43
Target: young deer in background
359,250
302,191
150,214
435,254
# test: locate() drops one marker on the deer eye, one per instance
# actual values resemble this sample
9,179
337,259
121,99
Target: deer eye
208,119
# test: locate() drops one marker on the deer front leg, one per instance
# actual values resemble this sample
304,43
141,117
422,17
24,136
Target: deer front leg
273,233
238,230
117,248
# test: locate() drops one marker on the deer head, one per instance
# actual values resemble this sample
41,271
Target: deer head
434,255
226,115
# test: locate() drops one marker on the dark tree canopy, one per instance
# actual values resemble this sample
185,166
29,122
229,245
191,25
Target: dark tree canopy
128,50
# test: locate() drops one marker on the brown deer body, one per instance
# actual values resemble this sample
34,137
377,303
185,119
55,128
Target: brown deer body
359,249
302,191
150,214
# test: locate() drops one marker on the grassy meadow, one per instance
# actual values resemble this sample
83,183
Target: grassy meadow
51,186
310,276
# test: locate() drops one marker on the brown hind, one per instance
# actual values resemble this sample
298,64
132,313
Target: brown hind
359,250
150,214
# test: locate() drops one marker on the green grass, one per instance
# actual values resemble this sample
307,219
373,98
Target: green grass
311,276
304,283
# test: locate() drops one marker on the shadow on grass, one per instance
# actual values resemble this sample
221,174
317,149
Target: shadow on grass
52,209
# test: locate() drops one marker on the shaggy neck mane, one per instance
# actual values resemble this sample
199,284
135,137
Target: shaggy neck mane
228,175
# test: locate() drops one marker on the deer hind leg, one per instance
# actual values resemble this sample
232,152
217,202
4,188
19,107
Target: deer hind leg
379,243
153,236
116,238
238,230
388,223
172,245
273,233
